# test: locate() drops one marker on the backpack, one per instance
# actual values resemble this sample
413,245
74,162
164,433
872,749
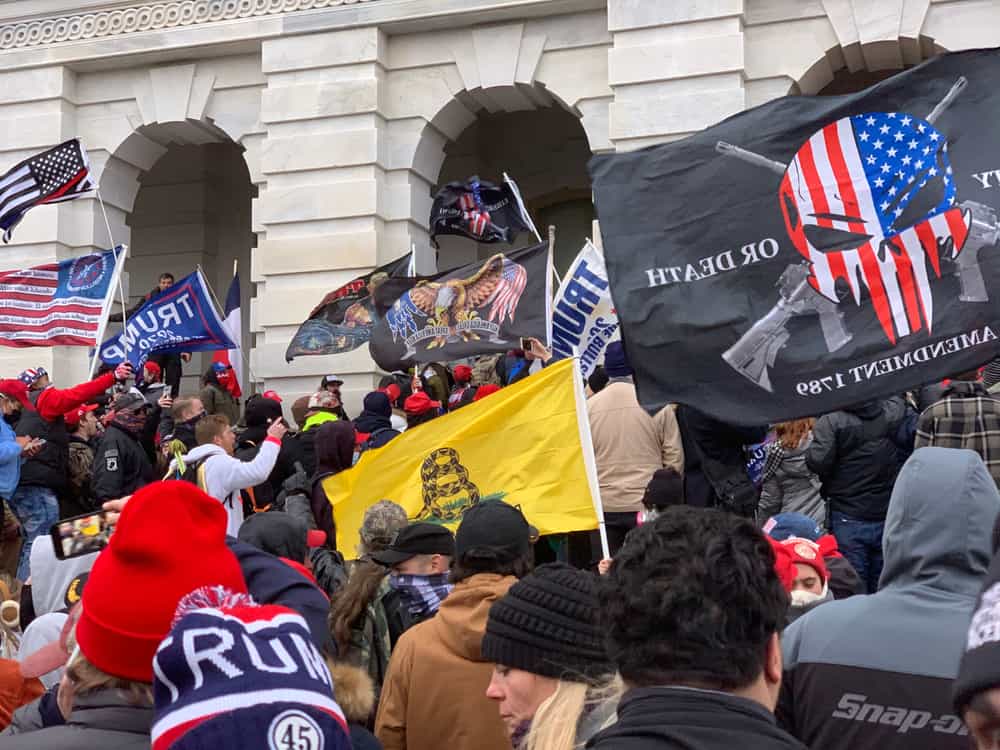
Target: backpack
195,474
261,497
370,441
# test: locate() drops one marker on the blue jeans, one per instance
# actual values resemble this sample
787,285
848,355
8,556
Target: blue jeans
37,508
860,542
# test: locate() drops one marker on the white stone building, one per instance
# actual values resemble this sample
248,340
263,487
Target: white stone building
304,138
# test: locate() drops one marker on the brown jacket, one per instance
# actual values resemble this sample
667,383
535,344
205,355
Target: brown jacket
629,445
434,695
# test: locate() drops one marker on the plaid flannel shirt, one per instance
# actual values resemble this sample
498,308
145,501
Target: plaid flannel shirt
967,416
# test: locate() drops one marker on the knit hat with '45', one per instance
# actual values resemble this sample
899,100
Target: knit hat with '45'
241,675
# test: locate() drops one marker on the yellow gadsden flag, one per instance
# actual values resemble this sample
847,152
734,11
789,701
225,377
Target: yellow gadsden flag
528,444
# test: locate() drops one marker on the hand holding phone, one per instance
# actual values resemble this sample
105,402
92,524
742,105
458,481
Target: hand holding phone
81,535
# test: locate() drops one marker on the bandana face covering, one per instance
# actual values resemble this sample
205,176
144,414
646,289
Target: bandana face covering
421,595
131,421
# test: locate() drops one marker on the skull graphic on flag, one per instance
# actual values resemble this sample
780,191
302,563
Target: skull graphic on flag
870,200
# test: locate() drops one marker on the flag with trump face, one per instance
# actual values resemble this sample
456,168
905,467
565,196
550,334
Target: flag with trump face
813,252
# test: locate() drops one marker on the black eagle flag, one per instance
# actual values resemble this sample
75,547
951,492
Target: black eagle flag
813,252
480,211
480,308
343,320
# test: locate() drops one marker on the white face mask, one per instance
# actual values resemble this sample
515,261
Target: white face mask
803,598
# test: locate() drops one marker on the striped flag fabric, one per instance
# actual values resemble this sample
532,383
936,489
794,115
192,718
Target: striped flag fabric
59,174
233,322
504,301
854,180
57,304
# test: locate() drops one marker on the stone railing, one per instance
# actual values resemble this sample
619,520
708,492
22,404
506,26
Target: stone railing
100,24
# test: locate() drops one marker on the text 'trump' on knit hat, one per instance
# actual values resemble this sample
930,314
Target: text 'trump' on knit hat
546,624
169,541
240,675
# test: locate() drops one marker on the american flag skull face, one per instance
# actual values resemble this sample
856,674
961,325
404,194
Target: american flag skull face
869,200
473,212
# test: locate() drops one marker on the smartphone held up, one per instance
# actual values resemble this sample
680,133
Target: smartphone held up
81,535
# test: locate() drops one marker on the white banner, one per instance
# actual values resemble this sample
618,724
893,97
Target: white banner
583,316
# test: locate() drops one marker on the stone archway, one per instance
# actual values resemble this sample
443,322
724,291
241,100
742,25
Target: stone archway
546,151
180,197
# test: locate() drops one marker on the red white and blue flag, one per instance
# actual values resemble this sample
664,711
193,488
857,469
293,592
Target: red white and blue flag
59,174
57,304
858,186
234,326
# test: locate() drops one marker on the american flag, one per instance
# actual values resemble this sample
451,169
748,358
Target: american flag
57,303
508,292
59,174
874,195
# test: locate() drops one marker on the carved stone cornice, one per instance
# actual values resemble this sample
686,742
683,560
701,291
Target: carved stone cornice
101,24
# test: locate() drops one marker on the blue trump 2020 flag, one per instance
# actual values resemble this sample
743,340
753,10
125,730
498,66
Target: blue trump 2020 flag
182,319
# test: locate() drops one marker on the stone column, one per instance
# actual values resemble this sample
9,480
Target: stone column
320,212
675,68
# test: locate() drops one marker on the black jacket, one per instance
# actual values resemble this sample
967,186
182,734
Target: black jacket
49,466
183,431
714,455
246,450
120,465
855,455
687,719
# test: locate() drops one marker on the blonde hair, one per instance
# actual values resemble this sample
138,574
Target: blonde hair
555,724
86,678
790,434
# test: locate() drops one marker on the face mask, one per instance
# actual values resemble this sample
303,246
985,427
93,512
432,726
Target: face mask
196,418
132,421
803,598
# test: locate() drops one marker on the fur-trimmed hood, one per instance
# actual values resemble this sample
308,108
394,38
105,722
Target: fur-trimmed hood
354,690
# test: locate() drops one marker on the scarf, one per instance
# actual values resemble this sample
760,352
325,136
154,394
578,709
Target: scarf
421,595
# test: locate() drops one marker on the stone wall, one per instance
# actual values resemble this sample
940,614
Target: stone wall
346,111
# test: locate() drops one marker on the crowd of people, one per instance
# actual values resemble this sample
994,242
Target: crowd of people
191,593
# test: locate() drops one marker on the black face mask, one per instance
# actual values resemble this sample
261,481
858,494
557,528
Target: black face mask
27,607
12,418
196,418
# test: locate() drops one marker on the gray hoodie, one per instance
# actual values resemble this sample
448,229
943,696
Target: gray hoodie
56,585
876,671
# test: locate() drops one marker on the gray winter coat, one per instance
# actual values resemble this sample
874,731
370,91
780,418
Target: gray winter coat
875,672
99,720
792,488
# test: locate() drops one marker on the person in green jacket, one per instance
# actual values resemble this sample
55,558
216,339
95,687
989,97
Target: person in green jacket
215,394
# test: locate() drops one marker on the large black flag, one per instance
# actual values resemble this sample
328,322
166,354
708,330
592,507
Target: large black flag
813,252
343,320
479,210
479,308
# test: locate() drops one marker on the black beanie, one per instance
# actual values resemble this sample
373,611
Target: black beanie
547,625
979,669
665,488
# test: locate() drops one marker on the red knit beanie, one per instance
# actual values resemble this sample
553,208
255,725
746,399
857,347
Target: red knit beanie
169,541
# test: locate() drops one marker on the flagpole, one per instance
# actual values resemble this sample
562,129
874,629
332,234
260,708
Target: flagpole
550,272
587,445
121,289
222,307
411,267
106,310
521,206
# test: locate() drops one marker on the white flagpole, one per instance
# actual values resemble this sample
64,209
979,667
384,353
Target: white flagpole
109,300
219,306
587,444
550,271
521,206
411,267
